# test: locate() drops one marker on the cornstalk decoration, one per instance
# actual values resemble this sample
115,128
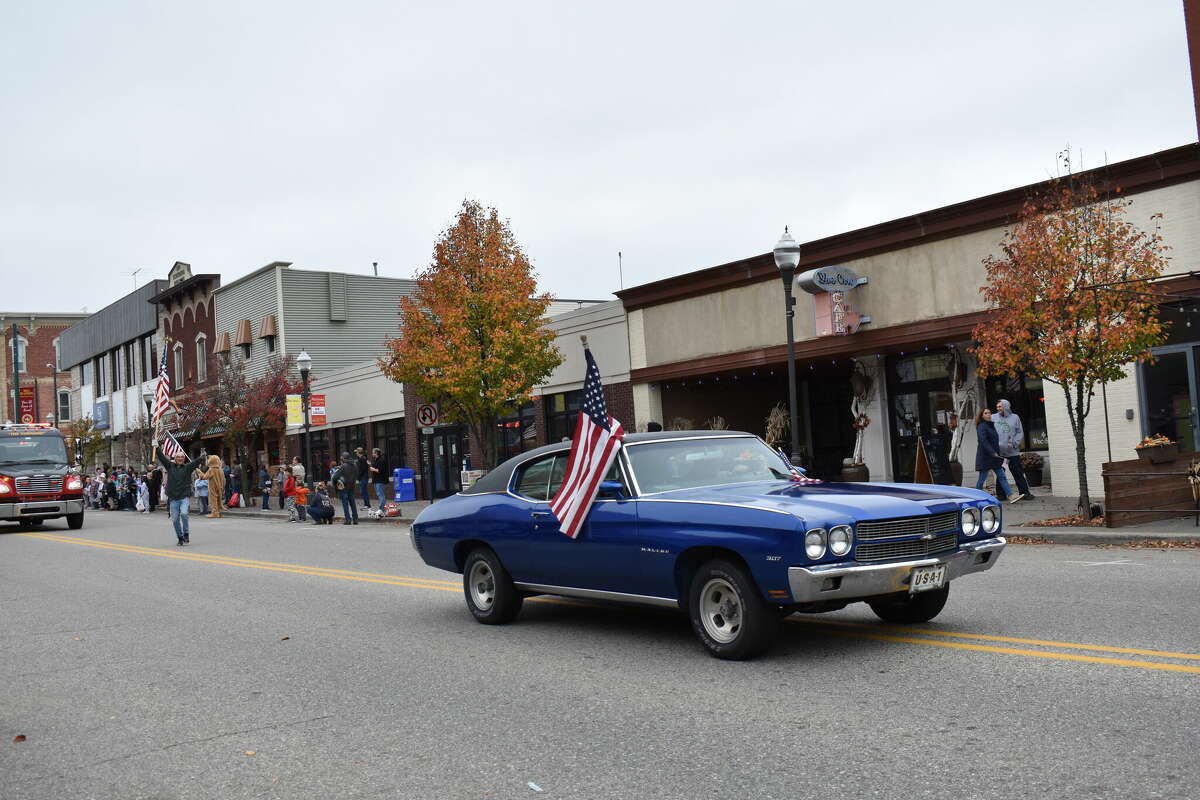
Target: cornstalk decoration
862,383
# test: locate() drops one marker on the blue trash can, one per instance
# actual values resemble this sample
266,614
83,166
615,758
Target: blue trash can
405,487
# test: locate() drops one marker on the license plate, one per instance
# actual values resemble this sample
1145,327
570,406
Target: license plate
925,579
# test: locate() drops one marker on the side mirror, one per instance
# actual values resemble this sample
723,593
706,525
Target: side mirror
611,489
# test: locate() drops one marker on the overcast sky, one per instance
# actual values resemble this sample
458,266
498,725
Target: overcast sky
331,135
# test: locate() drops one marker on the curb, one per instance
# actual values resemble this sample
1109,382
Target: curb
240,514
1097,536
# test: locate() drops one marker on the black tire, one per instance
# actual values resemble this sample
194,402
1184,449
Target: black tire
26,524
728,613
909,609
75,521
491,597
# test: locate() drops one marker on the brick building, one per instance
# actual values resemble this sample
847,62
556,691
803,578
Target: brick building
186,327
44,383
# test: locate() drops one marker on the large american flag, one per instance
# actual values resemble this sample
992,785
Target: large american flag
597,439
170,447
162,390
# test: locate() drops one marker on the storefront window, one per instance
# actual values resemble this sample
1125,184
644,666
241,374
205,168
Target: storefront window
516,433
562,410
388,436
921,412
933,366
348,438
1028,402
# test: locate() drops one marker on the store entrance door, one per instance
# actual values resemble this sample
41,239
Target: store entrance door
920,407
442,453
1169,394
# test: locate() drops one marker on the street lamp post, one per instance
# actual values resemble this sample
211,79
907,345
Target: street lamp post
304,362
787,258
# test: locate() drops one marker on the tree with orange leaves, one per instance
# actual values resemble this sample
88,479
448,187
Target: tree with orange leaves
471,336
1073,296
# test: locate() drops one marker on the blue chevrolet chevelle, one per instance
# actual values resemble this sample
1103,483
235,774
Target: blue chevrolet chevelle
712,523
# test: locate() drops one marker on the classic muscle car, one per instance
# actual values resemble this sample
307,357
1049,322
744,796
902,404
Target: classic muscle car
716,524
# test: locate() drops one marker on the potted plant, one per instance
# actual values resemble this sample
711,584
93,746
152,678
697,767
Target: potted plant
1157,449
1032,464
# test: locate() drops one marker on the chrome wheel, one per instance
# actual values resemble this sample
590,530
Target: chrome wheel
721,610
483,585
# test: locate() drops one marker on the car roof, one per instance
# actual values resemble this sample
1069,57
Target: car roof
497,480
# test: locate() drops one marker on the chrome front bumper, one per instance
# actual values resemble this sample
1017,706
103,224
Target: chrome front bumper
855,580
36,509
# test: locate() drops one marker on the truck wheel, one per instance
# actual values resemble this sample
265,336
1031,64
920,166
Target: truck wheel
75,521
491,596
728,613
26,524
909,609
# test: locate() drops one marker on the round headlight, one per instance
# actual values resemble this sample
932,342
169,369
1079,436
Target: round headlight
5,488
970,521
814,543
840,538
991,519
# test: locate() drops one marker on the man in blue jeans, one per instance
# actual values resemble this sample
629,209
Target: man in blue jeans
179,490
344,479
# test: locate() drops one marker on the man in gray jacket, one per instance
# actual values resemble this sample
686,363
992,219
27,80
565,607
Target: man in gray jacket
1012,439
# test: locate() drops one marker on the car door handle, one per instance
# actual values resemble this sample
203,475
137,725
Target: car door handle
541,514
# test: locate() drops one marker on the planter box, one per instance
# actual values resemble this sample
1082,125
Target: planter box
1159,455
1033,476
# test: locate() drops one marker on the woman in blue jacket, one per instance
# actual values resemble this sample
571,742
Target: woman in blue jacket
987,454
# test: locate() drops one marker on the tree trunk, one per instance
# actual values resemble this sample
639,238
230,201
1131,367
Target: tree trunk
1077,413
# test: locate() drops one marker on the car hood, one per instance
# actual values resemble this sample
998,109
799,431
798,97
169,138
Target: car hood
834,502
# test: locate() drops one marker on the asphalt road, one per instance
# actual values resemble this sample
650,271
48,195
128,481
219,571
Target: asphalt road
287,661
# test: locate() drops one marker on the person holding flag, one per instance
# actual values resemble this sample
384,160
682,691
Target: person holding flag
179,483
598,438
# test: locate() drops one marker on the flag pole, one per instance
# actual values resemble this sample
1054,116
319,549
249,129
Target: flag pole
583,338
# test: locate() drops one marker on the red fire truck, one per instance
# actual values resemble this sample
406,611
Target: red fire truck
36,481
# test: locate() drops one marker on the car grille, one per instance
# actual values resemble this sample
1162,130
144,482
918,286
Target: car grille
909,526
39,484
906,548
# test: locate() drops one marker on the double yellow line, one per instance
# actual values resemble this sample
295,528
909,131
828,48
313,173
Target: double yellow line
882,633
272,566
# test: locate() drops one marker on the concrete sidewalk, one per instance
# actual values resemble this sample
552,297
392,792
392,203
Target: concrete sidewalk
1018,516
408,512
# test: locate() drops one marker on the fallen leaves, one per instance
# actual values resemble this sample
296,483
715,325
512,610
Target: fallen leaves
1155,544
284,639
249,752
1028,540
1072,521
20,737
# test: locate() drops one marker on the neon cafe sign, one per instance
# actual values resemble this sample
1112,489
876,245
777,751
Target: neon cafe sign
832,289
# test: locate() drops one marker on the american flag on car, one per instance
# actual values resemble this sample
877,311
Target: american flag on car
597,439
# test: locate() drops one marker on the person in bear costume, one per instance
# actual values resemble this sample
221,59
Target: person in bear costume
215,475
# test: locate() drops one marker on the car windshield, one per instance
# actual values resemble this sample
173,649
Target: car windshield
708,461
32,449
